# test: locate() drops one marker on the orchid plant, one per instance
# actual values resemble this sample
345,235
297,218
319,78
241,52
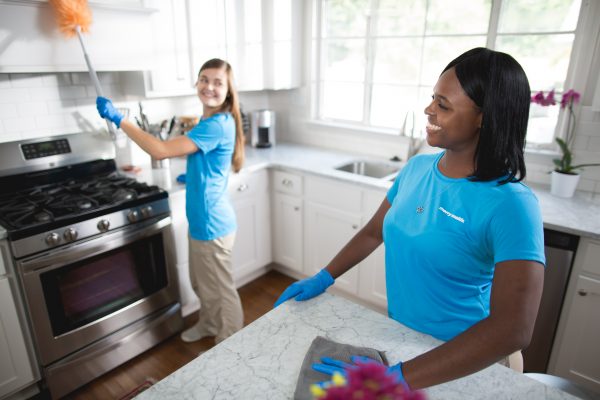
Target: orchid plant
569,99
366,381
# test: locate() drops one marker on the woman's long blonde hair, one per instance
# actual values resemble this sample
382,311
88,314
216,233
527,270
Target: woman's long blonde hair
232,105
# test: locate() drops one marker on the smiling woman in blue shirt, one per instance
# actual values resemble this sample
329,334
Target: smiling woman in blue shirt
463,235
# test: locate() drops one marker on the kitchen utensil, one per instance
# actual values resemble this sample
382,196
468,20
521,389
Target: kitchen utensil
74,17
171,125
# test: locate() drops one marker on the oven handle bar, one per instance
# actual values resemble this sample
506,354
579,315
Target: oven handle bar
89,248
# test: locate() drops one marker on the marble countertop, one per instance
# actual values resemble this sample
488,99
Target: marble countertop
577,215
263,360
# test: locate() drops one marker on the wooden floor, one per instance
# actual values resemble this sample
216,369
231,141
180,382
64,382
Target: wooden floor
257,299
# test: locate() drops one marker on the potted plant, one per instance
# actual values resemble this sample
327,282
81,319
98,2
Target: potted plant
565,176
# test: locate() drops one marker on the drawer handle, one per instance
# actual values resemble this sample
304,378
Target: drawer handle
296,208
582,292
242,188
287,182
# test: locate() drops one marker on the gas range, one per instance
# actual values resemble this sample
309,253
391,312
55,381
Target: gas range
41,210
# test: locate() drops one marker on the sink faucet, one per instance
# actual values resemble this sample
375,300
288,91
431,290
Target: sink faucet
408,131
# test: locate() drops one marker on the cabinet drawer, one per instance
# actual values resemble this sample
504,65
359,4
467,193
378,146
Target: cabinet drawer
340,196
590,251
248,184
285,182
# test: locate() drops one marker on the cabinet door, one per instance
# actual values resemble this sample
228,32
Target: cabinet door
16,370
327,231
372,283
287,225
579,352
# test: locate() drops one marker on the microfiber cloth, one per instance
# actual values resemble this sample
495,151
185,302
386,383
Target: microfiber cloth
322,347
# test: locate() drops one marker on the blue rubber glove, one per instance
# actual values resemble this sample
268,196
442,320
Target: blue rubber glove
107,110
331,365
307,288
181,178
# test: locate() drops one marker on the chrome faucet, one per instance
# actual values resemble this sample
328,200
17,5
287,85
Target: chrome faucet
408,131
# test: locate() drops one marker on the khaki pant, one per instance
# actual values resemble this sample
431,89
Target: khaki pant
211,278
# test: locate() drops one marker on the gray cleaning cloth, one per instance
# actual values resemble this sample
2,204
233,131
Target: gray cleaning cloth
322,347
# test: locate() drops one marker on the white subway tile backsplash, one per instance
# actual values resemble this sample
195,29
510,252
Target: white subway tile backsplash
15,125
63,79
8,111
589,128
50,121
81,78
594,145
14,95
56,106
32,108
26,80
72,92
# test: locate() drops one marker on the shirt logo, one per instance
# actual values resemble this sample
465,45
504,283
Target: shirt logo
448,213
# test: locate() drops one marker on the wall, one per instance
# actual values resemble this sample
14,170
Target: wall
40,105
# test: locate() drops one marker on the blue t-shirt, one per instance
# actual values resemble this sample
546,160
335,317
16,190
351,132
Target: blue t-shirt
443,238
209,212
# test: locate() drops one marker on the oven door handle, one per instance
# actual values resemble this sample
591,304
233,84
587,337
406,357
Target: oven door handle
89,248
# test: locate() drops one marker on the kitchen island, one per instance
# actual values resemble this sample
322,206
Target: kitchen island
263,360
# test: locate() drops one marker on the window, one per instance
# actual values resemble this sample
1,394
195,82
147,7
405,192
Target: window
377,60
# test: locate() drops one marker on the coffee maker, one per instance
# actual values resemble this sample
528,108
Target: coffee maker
262,128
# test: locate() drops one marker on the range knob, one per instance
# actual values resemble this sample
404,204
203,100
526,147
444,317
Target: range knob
133,216
70,234
103,225
147,211
53,239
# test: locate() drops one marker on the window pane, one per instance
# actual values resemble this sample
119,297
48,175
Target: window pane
458,16
344,18
545,58
397,60
390,103
401,17
438,52
542,121
538,15
344,60
343,101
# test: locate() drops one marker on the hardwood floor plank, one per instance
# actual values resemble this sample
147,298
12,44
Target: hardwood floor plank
257,298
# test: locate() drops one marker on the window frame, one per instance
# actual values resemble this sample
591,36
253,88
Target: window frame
576,68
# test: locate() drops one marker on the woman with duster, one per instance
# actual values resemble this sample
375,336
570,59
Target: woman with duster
213,147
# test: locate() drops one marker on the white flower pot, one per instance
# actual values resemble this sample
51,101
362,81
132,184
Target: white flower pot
563,185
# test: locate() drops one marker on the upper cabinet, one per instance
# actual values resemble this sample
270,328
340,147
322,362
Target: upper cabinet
118,39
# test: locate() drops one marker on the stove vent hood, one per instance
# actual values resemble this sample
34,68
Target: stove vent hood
120,38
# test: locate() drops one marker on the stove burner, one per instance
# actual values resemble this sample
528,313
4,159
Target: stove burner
72,197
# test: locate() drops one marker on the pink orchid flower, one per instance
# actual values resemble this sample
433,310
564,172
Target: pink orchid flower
569,97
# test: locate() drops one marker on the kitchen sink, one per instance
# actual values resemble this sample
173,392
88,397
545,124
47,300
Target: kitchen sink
371,169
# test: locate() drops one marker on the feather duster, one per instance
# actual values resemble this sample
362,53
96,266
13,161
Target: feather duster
71,14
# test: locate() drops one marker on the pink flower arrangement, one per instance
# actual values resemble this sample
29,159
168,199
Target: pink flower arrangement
568,100
368,381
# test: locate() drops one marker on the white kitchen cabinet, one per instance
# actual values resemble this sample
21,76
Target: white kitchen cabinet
576,353
16,369
249,194
118,39
371,287
332,218
288,218
179,251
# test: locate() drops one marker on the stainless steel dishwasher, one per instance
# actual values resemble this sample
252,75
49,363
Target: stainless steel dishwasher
560,250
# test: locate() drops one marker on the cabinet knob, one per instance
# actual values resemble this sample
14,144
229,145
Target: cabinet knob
582,292
287,182
242,188
354,226
296,208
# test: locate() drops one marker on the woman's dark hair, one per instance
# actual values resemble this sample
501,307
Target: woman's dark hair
231,104
499,87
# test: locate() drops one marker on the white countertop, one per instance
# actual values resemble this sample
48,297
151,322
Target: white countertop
263,360
579,215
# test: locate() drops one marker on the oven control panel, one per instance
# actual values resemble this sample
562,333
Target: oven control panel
45,149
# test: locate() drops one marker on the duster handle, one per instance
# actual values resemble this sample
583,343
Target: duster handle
94,78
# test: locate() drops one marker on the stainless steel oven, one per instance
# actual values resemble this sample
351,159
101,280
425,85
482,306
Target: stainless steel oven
88,247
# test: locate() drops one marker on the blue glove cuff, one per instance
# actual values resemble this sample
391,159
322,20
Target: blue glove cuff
117,119
325,278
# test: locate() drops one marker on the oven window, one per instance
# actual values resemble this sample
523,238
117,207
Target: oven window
90,289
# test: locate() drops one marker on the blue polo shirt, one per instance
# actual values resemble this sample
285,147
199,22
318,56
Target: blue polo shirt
208,209
443,238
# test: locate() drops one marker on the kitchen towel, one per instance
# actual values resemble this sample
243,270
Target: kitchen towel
323,347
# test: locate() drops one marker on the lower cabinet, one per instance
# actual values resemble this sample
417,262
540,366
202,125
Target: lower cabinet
287,231
576,353
16,371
